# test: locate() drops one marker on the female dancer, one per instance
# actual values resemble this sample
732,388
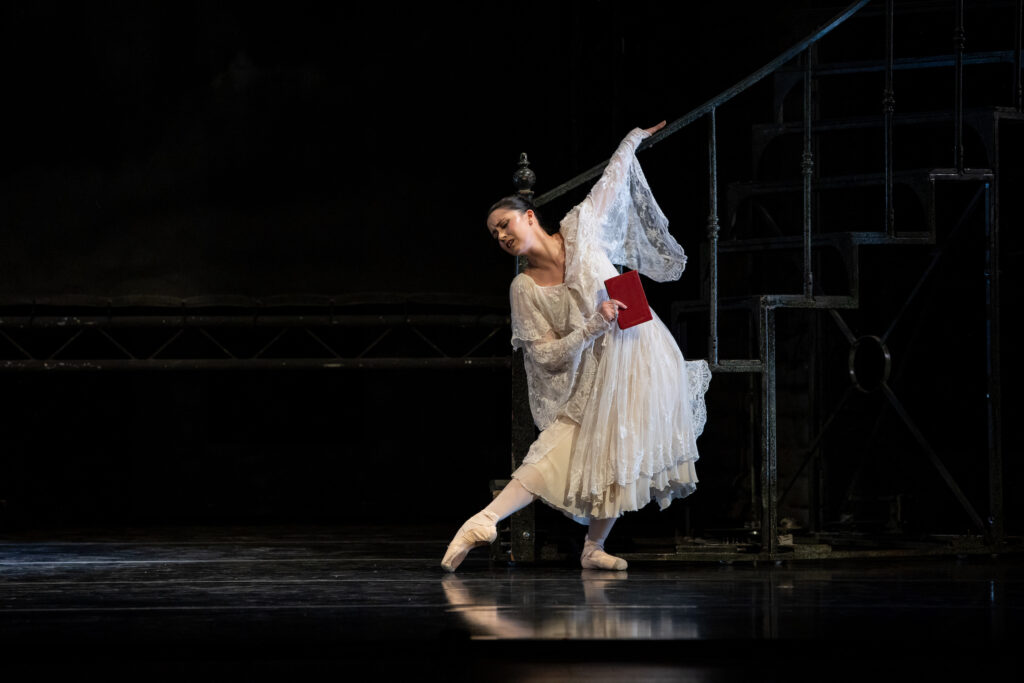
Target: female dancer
619,410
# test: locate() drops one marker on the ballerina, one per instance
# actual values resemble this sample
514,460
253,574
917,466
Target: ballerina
619,410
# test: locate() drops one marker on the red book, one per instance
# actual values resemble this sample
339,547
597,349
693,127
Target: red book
627,289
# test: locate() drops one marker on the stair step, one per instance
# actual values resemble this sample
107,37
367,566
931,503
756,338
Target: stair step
972,174
738,365
800,301
827,239
753,301
756,187
902,63
876,120
725,303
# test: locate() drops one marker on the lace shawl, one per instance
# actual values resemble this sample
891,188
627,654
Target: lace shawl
618,222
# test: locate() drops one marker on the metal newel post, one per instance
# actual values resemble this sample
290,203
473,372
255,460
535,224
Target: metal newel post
522,523
524,179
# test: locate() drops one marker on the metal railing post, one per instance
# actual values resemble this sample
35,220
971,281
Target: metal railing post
713,238
959,42
888,107
993,392
769,455
807,167
1018,25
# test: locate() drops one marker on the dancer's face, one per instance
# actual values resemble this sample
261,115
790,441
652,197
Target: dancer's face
512,229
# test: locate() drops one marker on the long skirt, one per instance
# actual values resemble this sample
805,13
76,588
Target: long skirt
548,478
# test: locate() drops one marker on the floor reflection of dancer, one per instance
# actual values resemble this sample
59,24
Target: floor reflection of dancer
619,410
595,616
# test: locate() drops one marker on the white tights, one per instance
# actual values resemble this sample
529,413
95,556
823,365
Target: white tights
515,497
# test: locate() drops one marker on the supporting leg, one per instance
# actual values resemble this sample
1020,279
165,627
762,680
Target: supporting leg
594,556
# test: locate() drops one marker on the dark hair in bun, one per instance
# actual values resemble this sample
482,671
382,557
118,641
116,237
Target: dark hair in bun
518,203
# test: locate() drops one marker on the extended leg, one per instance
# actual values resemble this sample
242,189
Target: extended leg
480,528
594,556
513,497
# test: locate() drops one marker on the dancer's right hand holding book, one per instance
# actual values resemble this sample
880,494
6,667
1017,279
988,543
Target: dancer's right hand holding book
610,309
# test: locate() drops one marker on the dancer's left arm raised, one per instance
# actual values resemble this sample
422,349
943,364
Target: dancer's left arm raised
620,214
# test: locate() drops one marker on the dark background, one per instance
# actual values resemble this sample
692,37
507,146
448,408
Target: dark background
216,148
200,148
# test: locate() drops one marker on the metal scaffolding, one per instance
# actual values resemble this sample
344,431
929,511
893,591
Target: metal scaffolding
226,334
799,67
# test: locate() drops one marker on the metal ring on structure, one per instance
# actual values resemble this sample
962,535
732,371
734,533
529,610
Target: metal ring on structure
869,363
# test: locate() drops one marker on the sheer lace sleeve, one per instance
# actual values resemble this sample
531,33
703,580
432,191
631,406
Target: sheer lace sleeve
532,331
553,354
622,217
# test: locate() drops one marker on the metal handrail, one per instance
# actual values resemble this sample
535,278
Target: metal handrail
807,165
713,103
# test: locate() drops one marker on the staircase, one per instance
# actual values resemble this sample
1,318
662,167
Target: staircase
793,235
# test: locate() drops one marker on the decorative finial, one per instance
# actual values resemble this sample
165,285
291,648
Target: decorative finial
524,177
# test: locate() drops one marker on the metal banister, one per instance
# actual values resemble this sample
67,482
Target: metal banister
713,103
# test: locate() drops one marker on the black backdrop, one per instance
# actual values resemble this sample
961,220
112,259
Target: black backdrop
225,148
185,149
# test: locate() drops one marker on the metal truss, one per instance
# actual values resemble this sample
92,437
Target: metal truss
228,334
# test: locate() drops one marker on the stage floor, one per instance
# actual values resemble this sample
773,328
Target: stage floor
294,599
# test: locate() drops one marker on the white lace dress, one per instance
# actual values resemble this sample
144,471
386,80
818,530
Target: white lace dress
619,410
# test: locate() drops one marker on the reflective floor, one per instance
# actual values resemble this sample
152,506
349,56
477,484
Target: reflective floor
331,600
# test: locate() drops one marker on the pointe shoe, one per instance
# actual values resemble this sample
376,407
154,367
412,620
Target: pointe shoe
594,557
478,530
